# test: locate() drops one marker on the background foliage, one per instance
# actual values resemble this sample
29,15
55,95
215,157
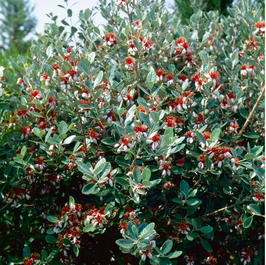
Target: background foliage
142,143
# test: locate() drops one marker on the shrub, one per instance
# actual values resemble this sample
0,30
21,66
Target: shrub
142,142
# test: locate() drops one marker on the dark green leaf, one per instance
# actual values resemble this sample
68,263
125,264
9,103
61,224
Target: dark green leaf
248,222
137,174
167,246
206,245
206,229
52,219
124,243
174,255
89,188
50,239
184,187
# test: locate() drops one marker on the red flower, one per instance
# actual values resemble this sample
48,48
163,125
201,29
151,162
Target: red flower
35,94
154,140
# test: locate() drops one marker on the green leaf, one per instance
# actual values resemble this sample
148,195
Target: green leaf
255,209
99,166
62,128
215,134
193,201
191,235
89,228
71,201
124,243
52,219
52,140
206,229
91,57
98,94
137,174
174,254
201,137
130,114
23,151
98,79
185,85
248,222
169,131
167,246
84,168
147,230
26,252
36,131
69,139
142,103
151,77
146,174
50,239
164,261
69,13
105,170
184,187
109,208
83,67
89,188
87,14
250,156
75,250
249,16
243,113
177,148
206,245
251,135
146,119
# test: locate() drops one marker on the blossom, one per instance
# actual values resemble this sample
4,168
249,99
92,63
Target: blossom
161,76
233,126
190,137
93,136
23,113
140,131
258,197
51,101
128,98
183,227
189,259
110,39
25,132
165,165
132,49
260,27
145,253
247,70
168,185
201,158
154,140
45,78
123,144
35,94
129,63
246,255
39,164
212,76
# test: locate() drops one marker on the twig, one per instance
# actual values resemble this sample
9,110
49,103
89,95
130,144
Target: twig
252,112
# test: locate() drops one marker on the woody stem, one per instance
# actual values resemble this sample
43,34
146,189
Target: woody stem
252,112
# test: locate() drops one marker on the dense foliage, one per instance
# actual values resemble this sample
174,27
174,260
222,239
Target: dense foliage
141,143
16,23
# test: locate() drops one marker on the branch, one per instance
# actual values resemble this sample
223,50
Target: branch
252,112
